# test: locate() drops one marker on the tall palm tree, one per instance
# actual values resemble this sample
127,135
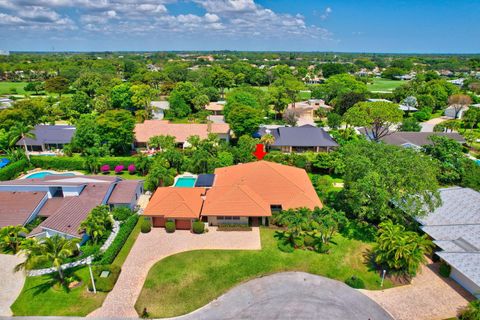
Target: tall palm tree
11,237
22,131
55,250
267,140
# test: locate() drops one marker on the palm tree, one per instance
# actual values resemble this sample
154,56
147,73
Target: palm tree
97,223
22,131
11,237
55,250
92,163
471,312
267,140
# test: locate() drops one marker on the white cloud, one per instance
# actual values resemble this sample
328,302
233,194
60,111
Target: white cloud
326,13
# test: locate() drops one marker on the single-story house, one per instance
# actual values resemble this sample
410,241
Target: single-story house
455,229
48,137
308,107
457,113
241,194
181,131
63,202
158,109
415,139
400,106
300,139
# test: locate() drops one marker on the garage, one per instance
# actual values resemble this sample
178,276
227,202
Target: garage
158,221
183,224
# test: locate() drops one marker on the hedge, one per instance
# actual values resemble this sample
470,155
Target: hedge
76,162
12,170
234,227
125,229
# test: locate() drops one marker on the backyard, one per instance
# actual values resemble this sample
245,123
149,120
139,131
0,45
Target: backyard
187,281
384,85
40,298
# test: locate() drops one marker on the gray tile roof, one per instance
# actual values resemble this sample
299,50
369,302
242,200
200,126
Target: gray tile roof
419,139
303,136
46,134
455,227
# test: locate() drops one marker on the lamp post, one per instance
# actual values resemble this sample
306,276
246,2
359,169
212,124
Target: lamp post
383,277
89,263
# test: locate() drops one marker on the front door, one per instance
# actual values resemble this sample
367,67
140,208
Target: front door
254,221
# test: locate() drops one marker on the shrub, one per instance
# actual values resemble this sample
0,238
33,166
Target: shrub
104,284
234,227
355,282
471,312
13,170
59,163
131,168
445,270
298,242
308,241
117,244
170,226
121,213
119,168
146,226
105,168
198,227
285,246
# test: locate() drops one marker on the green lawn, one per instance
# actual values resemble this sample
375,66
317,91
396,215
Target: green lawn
38,298
12,87
380,84
186,281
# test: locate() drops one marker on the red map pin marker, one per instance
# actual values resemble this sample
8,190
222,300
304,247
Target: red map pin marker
259,153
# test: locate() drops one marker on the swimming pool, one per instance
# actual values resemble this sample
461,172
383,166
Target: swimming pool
185,182
43,174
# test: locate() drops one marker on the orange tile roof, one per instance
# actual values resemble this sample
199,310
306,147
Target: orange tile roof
181,131
275,183
172,202
238,200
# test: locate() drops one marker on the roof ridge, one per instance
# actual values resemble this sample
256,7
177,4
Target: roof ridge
241,187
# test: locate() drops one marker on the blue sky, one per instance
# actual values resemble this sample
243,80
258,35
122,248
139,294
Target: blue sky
428,26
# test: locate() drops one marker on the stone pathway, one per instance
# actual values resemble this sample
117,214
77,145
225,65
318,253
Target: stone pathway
11,283
428,297
156,245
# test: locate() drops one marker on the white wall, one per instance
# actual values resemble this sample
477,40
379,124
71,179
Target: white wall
465,282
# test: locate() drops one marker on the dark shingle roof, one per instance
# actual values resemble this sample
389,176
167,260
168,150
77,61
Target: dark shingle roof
304,136
50,135
419,139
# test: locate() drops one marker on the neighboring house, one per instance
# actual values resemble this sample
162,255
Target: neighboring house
63,202
150,128
48,137
453,112
308,107
300,139
241,194
455,229
415,140
216,107
158,109
401,106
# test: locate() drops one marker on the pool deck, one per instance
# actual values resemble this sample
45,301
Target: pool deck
35,171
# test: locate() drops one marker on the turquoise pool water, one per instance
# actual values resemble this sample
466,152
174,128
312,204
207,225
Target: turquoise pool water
43,174
185,182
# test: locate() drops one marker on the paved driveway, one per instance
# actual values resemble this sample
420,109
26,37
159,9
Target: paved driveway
11,283
291,295
428,297
428,126
156,245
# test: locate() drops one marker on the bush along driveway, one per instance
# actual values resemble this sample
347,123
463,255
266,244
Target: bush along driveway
156,245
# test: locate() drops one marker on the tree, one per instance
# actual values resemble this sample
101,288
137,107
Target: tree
222,79
291,116
410,124
142,163
267,140
53,250
162,142
331,69
97,223
278,98
334,120
410,102
57,85
242,152
11,238
178,107
386,182
34,86
121,97
378,118
472,117
92,162
393,73
142,96
244,120
159,175
348,100
225,159
115,127
200,101
88,82
459,102
291,85
22,131
80,104
449,154
336,86
401,250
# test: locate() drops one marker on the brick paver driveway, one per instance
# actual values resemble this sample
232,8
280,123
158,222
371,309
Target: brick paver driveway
428,297
11,283
156,245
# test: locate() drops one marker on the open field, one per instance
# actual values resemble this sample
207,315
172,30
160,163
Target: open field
184,282
12,87
380,84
